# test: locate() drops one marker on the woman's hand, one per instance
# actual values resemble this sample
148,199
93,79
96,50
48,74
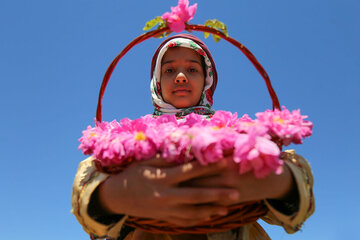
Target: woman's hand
250,188
151,189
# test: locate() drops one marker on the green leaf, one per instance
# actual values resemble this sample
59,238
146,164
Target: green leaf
216,24
216,38
163,34
210,22
162,23
153,22
220,25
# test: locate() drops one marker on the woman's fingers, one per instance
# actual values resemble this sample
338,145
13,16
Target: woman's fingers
228,178
206,182
173,173
200,212
191,170
157,161
190,215
219,196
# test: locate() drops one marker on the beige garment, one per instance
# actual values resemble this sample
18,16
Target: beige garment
249,232
88,178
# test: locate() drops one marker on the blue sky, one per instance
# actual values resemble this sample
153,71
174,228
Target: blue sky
53,55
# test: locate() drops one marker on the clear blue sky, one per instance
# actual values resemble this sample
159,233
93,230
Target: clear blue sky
53,55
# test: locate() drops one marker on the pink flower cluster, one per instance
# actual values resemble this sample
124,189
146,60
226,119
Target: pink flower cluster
290,127
179,15
195,137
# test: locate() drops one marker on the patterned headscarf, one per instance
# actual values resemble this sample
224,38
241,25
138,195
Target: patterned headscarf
206,99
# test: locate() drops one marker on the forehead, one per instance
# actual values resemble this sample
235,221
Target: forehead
181,53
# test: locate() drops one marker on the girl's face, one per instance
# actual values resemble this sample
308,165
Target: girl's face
182,77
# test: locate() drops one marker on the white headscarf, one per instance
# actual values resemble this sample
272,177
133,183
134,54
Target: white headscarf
205,103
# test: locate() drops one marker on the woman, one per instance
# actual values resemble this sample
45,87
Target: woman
183,80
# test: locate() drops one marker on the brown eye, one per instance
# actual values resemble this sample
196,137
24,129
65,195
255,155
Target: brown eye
169,70
192,70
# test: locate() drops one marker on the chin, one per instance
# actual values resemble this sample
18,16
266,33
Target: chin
183,105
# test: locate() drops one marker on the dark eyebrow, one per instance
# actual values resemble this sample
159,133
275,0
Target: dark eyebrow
168,61
190,60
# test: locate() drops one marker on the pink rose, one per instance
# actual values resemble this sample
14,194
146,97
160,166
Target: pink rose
258,154
179,15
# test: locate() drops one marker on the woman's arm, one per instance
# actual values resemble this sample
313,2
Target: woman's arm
304,205
86,181
151,189
288,195
250,188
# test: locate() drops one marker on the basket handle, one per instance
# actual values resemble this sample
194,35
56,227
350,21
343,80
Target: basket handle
200,28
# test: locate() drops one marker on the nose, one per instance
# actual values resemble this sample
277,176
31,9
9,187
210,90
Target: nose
181,78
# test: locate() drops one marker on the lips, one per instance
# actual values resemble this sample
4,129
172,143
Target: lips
181,91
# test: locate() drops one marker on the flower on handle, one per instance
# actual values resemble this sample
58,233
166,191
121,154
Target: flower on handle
179,16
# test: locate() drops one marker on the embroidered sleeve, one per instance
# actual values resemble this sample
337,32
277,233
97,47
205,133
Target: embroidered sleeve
87,179
292,220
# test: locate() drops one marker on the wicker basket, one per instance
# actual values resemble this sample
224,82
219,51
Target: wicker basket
240,214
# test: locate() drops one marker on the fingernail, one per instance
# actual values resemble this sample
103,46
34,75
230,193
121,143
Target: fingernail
234,196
